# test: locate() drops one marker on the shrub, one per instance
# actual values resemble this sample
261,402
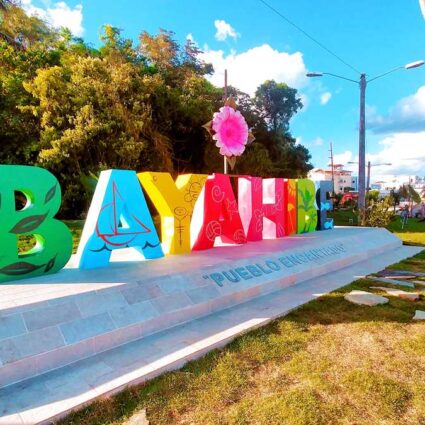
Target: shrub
378,214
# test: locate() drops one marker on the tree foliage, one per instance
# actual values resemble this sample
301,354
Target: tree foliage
379,213
77,110
409,193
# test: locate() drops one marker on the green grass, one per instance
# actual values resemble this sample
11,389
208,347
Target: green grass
343,217
328,362
76,227
412,234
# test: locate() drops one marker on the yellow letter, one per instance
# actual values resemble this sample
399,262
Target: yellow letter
174,202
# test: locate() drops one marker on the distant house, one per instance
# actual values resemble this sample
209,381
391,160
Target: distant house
344,181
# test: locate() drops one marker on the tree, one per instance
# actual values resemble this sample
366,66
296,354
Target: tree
395,198
77,110
409,193
277,104
373,195
23,31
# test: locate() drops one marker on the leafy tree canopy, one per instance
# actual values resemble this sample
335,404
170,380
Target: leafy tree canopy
77,110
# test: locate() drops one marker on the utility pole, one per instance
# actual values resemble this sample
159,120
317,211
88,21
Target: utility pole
362,128
225,100
362,149
332,170
368,178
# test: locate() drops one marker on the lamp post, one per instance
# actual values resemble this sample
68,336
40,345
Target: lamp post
363,82
369,165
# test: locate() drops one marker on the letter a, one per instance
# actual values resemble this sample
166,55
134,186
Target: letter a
118,218
216,215
42,195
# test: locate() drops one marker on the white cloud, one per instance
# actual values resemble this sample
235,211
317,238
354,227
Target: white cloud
58,15
404,151
422,5
408,115
318,141
344,159
325,97
224,30
249,69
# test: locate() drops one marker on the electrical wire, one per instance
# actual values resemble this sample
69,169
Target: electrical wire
308,35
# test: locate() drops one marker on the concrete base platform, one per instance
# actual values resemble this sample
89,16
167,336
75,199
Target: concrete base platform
50,322
49,396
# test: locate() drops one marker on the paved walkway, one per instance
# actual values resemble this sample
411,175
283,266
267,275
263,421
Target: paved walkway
40,399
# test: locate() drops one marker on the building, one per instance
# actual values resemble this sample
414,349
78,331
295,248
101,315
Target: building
344,181
418,184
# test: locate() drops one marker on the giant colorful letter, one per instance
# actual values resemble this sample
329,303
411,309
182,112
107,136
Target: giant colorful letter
174,202
291,210
307,210
118,218
323,187
53,239
216,215
262,207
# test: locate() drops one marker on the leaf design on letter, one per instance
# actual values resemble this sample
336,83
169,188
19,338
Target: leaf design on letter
50,264
21,267
28,224
50,194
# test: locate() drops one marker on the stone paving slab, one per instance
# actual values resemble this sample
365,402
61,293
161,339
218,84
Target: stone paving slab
411,296
392,281
42,398
419,315
397,274
365,298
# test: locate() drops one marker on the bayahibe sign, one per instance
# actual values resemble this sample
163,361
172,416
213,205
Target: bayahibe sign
195,211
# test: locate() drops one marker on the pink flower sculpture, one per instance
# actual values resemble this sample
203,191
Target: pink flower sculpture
231,131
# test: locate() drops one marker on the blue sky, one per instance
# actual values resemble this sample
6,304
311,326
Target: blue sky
255,44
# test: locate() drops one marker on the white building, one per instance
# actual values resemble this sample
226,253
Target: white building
344,181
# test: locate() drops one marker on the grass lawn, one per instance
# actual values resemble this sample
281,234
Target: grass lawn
328,362
76,227
413,233
343,217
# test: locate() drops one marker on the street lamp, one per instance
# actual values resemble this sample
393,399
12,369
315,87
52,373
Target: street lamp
362,126
369,165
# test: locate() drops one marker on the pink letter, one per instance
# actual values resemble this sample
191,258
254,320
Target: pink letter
216,215
262,207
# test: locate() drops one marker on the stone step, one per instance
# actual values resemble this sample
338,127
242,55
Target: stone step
76,314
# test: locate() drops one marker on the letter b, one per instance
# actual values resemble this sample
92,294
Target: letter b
53,239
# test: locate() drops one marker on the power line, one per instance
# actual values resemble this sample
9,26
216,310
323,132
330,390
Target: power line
308,35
